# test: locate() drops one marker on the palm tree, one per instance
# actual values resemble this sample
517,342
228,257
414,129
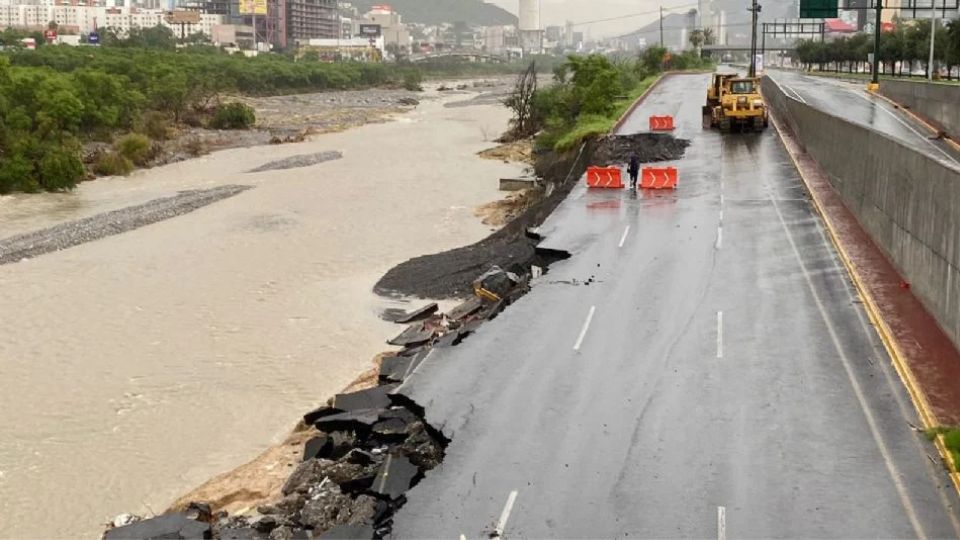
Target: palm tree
697,39
709,37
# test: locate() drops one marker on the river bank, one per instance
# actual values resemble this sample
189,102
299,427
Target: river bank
147,362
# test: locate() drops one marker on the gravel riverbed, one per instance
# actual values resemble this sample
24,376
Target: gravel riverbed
81,231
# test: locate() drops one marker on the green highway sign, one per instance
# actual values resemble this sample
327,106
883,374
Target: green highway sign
818,9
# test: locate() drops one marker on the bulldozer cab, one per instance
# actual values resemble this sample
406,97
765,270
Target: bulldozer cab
717,86
743,86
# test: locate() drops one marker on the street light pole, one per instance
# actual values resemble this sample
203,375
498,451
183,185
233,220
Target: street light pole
933,36
755,9
661,27
875,82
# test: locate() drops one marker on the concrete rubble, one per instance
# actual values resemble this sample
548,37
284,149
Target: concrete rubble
368,449
615,150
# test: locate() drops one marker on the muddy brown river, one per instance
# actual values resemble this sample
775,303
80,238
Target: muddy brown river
137,366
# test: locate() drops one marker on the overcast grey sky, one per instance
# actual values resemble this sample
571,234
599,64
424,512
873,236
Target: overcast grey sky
556,12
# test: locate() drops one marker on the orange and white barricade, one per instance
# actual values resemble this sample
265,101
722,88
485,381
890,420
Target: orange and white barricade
605,177
659,178
661,123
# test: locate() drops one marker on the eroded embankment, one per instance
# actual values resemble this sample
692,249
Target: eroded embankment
81,231
363,450
449,274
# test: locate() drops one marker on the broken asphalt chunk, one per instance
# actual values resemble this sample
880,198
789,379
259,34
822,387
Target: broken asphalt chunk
318,413
415,334
395,368
349,532
465,309
359,420
172,526
373,398
394,477
318,447
333,446
403,317
244,533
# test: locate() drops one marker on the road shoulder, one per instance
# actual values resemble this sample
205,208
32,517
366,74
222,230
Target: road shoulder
924,357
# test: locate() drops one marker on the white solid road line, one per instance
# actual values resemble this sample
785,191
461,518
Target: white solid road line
795,93
623,238
719,334
721,523
908,126
720,237
586,326
857,390
505,515
463,537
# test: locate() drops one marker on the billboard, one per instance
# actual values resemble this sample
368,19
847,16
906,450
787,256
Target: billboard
370,30
183,17
253,7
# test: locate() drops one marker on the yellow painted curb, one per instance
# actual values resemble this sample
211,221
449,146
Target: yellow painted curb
919,399
933,129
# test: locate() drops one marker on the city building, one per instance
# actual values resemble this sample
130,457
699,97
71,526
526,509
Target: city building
85,19
312,19
390,24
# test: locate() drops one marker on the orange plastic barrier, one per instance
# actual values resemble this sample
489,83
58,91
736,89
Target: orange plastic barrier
659,178
661,123
604,177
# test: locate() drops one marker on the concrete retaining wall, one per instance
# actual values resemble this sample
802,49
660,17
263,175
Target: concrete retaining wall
907,202
937,103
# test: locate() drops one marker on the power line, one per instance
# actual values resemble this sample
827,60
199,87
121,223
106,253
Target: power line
655,30
632,15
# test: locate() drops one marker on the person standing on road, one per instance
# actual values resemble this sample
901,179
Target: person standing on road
633,169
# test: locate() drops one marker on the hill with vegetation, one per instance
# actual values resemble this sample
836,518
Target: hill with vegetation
474,12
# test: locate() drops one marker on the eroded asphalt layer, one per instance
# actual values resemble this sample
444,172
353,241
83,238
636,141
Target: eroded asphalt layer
700,367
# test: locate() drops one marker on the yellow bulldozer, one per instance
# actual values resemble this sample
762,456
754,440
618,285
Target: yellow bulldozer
734,102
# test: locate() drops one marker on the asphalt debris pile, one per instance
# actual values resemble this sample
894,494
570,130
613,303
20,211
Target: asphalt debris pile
81,231
368,448
295,162
450,274
649,148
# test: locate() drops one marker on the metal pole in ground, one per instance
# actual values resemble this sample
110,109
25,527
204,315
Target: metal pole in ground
933,37
875,81
755,9
661,27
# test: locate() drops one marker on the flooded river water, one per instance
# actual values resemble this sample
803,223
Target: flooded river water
136,367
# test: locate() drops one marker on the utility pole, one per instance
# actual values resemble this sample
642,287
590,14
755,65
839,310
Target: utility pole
875,81
933,36
755,9
661,27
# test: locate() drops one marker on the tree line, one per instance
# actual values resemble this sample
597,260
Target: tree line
902,52
56,98
588,95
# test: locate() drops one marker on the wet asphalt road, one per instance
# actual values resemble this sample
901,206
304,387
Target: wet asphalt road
851,101
716,378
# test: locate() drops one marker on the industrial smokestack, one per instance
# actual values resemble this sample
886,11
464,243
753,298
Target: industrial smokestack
529,15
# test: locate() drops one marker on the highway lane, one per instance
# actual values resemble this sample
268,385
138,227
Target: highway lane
851,101
699,368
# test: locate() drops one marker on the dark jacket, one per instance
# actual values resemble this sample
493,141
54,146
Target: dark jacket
634,167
